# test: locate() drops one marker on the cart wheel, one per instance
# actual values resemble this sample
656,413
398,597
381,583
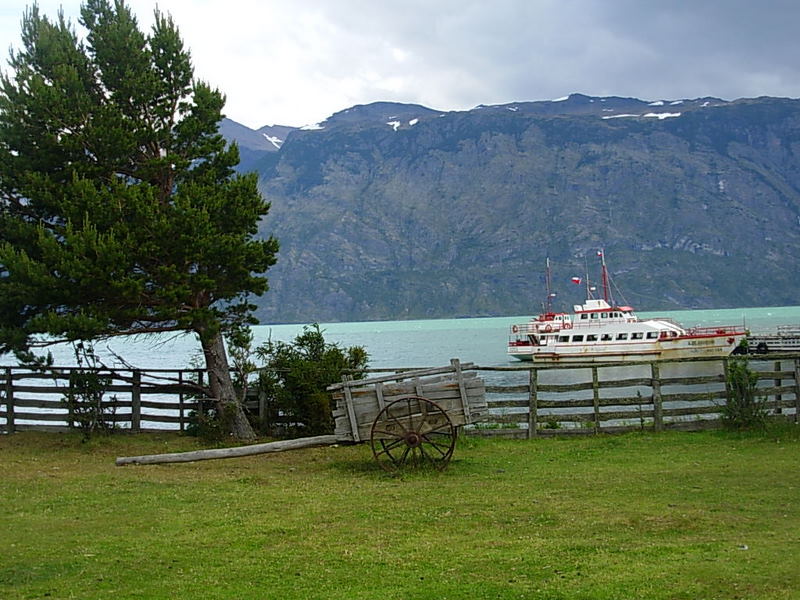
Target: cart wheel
412,431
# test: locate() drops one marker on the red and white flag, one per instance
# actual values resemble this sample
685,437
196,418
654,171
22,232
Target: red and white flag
599,253
576,280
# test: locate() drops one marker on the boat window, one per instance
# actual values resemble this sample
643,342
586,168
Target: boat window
637,335
563,338
606,337
584,316
604,315
651,335
591,338
577,338
622,336
594,315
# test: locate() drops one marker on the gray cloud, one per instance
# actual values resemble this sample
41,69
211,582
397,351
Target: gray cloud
296,62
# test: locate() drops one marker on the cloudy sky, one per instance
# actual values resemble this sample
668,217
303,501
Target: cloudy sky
295,62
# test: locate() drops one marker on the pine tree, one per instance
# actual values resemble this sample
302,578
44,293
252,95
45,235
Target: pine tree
120,210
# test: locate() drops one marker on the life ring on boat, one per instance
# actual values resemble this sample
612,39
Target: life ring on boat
514,329
548,328
567,326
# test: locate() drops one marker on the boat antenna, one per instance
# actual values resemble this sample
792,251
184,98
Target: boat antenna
549,303
601,253
586,277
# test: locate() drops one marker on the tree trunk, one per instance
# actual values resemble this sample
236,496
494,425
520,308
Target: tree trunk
221,384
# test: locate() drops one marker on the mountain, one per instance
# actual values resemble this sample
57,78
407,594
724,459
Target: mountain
254,144
392,211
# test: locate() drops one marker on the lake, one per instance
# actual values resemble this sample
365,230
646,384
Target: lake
420,343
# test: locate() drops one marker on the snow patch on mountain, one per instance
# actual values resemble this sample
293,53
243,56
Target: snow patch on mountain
274,140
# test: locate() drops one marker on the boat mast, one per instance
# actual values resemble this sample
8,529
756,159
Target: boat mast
604,271
549,304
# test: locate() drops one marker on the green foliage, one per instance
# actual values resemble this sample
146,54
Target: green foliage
295,377
211,424
744,409
85,397
120,210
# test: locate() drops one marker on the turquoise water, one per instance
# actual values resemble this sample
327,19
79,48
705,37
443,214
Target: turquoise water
408,343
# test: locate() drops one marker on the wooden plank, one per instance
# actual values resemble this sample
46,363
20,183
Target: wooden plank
136,402
797,390
351,412
692,410
218,453
596,398
461,388
41,416
533,403
9,401
700,380
442,393
695,396
658,400
776,374
508,389
565,387
508,403
619,383
379,395
396,376
36,403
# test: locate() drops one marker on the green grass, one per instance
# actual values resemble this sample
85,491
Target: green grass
673,516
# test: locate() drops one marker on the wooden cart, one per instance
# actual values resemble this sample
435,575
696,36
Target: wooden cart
409,418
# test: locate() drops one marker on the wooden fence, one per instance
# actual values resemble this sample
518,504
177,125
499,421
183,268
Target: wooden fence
613,397
524,400
134,399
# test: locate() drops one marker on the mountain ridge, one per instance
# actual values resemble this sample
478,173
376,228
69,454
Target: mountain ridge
454,214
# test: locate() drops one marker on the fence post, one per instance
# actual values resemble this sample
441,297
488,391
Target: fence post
201,398
136,401
658,408
596,399
9,401
797,390
180,402
533,403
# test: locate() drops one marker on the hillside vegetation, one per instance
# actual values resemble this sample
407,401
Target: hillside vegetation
391,211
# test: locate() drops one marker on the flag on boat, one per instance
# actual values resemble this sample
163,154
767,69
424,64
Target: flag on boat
576,280
599,253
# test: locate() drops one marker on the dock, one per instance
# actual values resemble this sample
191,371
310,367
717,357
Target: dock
785,339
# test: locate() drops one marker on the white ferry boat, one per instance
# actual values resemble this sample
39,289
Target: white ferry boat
601,331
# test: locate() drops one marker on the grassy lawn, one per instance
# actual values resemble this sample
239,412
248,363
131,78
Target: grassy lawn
675,515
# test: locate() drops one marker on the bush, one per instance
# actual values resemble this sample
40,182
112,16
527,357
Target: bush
744,409
294,379
209,424
85,396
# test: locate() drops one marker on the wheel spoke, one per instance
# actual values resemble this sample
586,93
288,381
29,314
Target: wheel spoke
402,459
391,434
424,434
387,448
435,445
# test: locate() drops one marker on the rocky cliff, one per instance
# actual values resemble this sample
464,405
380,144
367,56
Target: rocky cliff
391,211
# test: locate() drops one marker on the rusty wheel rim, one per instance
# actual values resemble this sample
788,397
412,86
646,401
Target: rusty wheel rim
412,432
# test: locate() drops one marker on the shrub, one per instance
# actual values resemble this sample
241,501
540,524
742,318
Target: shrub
294,379
85,396
744,409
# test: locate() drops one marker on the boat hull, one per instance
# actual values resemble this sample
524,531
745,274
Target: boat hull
703,347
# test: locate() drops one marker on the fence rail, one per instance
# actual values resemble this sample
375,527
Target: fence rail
524,400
